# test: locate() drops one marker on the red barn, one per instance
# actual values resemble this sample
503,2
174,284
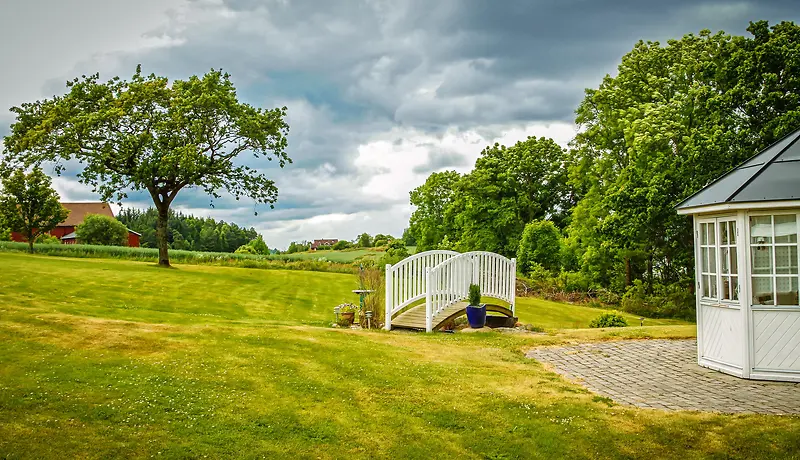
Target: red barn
65,231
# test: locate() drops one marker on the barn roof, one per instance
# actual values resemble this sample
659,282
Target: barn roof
770,175
78,211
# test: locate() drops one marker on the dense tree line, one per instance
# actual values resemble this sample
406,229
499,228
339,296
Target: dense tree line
188,232
675,117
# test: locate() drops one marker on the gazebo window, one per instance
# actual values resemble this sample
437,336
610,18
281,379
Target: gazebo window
719,268
774,259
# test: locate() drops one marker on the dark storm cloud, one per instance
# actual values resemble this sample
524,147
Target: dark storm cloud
353,71
438,160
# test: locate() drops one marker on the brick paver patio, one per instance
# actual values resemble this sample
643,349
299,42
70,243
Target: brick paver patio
663,374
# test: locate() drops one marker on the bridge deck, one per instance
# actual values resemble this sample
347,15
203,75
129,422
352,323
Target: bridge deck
414,318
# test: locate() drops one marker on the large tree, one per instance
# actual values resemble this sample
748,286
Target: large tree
432,199
29,205
148,134
672,119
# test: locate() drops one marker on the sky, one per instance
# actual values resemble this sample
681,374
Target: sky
380,93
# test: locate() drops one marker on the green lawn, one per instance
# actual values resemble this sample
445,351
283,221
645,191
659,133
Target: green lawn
557,315
104,359
345,256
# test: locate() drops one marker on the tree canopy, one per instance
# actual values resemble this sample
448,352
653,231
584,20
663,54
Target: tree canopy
188,232
149,134
488,208
29,205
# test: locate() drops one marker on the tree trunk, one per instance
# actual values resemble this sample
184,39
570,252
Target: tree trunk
628,271
30,244
161,235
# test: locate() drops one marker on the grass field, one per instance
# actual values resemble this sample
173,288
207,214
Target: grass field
346,256
107,358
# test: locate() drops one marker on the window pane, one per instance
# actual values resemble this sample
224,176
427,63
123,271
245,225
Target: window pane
704,286
712,260
787,291
703,234
713,285
726,288
762,260
712,235
732,232
704,255
734,288
761,230
762,291
785,259
723,229
734,261
786,229
724,260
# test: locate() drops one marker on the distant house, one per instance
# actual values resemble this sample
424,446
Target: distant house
65,231
323,242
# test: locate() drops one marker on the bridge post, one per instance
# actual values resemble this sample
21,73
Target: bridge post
514,286
389,298
476,269
428,301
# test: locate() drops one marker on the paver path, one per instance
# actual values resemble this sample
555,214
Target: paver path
663,374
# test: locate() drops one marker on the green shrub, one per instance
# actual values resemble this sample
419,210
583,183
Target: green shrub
5,234
666,301
245,249
395,252
342,244
474,294
46,238
609,319
97,229
258,245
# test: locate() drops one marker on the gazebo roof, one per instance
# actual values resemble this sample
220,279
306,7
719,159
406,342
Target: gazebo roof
771,175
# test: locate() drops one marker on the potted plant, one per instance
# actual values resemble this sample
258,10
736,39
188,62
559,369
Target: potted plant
347,313
476,311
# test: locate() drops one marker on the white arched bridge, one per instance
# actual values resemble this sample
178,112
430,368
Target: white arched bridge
428,289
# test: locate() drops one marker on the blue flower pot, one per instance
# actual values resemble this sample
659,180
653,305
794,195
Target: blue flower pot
476,316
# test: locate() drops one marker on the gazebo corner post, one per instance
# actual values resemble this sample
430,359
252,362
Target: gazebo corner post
388,300
745,297
698,288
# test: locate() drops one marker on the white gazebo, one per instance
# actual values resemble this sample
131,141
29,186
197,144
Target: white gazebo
746,255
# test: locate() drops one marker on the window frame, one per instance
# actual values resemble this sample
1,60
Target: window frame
773,254
717,248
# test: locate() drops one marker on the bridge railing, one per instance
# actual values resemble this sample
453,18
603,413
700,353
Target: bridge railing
406,282
448,282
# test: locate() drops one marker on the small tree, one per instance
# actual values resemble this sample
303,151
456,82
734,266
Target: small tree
364,240
29,205
102,231
258,245
541,244
152,135
474,295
